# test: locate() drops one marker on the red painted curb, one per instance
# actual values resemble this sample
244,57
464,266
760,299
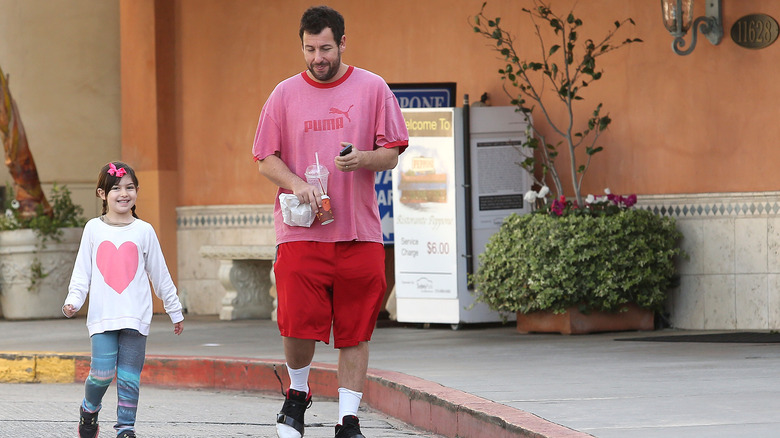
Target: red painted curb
420,403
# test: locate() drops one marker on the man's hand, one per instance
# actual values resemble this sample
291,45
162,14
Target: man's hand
307,194
375,160
351,161
273,168
178,327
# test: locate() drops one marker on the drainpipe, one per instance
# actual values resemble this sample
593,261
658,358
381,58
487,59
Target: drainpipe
467,185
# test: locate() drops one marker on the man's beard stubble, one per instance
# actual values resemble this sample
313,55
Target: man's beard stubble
329,73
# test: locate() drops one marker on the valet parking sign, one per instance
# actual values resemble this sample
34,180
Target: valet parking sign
409,96
426,253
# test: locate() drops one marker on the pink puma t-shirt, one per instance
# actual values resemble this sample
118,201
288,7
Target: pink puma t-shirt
302,117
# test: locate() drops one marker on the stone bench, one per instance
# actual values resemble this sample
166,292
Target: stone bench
246,273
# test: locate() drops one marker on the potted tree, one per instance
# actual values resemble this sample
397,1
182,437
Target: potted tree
38,240
596,258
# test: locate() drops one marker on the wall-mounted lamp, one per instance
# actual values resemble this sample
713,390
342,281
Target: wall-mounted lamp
678,15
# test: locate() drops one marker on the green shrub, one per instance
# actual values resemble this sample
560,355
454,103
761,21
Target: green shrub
595,262
64,214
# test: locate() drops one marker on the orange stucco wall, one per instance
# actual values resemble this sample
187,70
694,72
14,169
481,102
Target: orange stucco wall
701,123
148,115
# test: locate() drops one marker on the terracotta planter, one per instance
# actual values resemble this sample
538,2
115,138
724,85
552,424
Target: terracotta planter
574,322
18,251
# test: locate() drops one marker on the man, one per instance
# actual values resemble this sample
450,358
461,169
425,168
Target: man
328,274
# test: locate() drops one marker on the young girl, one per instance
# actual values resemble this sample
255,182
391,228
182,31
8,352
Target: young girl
118,255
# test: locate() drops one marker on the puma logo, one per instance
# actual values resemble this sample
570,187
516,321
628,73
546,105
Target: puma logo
333,124
343,113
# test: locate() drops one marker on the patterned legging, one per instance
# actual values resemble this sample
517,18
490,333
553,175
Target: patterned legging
119,352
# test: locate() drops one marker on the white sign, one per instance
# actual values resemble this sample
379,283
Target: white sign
424,208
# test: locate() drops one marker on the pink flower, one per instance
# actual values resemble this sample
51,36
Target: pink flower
558,205
622,201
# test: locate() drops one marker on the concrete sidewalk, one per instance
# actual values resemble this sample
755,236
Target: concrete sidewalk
477,381
49,410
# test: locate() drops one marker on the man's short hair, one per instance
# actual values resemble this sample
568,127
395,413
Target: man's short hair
317,18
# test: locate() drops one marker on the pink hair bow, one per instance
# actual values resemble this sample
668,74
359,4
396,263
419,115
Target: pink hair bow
113,171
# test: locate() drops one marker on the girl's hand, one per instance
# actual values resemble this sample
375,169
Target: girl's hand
69,310
178,327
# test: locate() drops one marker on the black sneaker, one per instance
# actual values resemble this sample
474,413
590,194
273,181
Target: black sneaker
88,424
290,419
349,428
126,434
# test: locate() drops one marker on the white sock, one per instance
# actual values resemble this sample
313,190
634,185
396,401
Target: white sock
299,379
349,401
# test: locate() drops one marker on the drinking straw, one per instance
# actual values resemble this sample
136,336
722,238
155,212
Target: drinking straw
317,159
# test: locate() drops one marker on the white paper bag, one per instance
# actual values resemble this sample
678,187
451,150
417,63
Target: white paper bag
294,213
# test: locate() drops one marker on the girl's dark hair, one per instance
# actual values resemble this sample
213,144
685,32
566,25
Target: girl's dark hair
317,18
106,181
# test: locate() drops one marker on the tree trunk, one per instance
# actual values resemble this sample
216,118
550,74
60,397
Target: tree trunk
18,157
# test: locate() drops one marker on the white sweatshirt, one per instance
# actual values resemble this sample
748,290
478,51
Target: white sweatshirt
114,265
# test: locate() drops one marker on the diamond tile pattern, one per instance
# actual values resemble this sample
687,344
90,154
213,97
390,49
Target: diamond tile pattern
722,209
222,220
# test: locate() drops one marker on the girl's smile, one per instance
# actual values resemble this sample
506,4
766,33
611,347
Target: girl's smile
120,200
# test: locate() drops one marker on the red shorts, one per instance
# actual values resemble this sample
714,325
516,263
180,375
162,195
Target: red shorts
319,284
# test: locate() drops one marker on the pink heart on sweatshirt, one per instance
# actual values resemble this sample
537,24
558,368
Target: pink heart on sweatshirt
118,265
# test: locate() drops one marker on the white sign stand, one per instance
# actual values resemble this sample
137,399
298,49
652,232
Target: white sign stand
429,208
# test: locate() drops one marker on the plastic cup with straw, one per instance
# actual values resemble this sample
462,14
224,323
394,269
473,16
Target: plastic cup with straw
317,174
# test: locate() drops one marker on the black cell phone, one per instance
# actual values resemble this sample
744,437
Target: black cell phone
347,149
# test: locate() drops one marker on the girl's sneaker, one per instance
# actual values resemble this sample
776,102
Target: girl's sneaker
88,424
126,434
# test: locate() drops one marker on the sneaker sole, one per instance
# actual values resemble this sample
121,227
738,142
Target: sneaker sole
285,431
78,433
